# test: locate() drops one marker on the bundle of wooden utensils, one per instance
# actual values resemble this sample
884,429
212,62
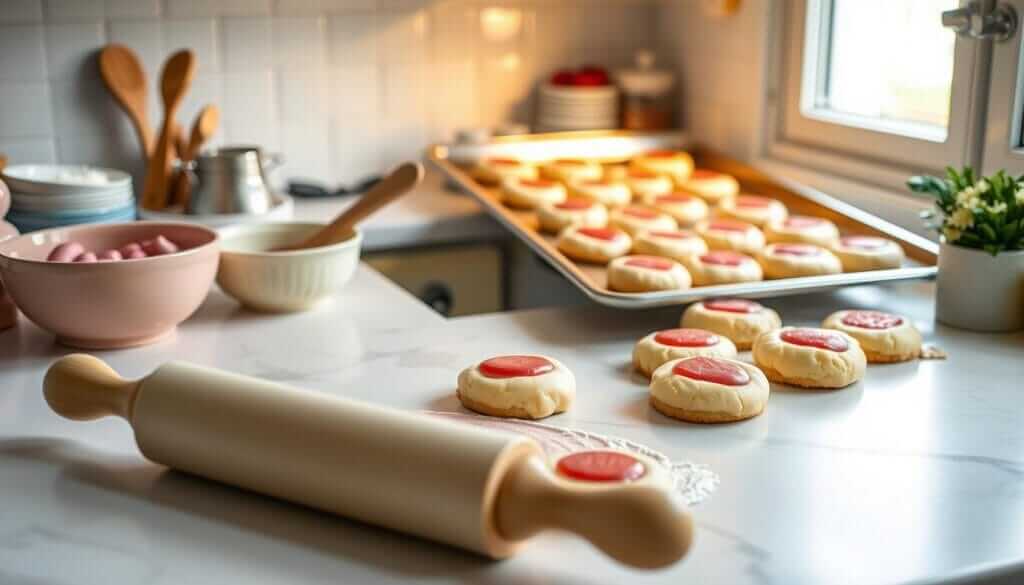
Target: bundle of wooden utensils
166,183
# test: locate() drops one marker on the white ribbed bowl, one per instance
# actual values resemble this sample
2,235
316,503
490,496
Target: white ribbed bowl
282,281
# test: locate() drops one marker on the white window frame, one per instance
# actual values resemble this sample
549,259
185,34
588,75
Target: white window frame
1004,133
856,148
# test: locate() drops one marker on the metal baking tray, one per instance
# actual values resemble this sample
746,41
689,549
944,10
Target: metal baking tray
611,147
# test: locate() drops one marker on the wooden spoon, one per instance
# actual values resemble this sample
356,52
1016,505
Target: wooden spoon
174,82
398,183
202,130
124,77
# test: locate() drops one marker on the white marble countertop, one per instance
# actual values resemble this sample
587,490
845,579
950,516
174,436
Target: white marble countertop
915,475
429,215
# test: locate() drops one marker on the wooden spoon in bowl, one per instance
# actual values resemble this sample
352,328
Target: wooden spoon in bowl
175,80
124,77
398,183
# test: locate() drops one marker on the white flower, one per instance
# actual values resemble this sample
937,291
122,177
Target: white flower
962,219
951,234
997,208
1019,196
982,186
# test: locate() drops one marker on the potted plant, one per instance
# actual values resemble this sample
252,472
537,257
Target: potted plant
981,258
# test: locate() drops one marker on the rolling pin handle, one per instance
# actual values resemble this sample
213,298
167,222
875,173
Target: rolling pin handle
83,387
641,526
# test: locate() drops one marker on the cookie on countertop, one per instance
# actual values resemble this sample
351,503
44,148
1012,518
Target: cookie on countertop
705,389
517,386
740,320
809,357
653,350
884,337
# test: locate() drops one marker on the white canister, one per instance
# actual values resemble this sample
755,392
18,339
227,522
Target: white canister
979,291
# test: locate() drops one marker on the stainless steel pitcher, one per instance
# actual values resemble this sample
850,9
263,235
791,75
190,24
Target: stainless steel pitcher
231,180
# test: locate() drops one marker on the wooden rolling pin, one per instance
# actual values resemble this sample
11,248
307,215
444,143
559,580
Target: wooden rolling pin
474,488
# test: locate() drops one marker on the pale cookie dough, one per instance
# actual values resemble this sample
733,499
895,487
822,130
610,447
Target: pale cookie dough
646,185
676,164
548,388
646,274
492,171
731,234
802,229
713,186
884,337
754,209
680,246
860,253
723,267
635,219
567,170
795,260
671,344
530,193
604,191
686,209
740,320
809,357
706,389
555,217
595,245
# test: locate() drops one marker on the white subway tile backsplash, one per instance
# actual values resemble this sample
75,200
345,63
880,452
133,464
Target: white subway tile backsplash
205,90
200,36
319,7
299,42
248,100
29,150
83,106
117,9
21,53
22,12
74,10
402,37
246,43
26,110
303,96
144,37
307,150
354,155
353,39
194,8
71,50
354,90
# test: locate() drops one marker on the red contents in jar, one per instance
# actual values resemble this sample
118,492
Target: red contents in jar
515,366
704,174
863,242
661,154
601,466
673,235
815,338
675,198
733,305
586,76
871,320
799,222
574,204
795,250
642,174
752,201
504,162
606,234
709,369
728,225
540,183
686,338
570,162
598,182
649,262
640,212
723,258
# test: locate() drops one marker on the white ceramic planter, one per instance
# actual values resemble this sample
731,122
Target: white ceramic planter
978,291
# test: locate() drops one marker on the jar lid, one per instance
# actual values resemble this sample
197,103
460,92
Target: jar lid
645,80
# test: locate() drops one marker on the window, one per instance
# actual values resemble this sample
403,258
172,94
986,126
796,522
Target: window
1004,134
872,89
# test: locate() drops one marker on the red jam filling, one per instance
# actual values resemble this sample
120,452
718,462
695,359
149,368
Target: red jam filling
733,305
505,162
605,234
799,222
704,174
598,182
515,366
601,466
752,201
572,162
871,320
641,174
863,242
673,235
709,369
686,338
815,338
574,204
675,198
661,154
728,225
649,262
795,250
723,258
537,183
640,212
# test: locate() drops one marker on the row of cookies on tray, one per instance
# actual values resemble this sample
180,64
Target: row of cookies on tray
694,372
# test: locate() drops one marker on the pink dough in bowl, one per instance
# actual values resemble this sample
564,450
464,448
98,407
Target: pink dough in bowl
106,305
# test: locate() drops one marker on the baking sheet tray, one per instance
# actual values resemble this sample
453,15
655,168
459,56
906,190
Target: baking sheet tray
619,146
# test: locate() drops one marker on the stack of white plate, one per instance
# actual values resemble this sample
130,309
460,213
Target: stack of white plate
45,196
577,108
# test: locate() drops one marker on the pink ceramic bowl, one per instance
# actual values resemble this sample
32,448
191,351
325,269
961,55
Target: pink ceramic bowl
108,305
